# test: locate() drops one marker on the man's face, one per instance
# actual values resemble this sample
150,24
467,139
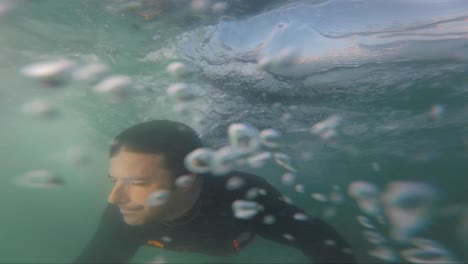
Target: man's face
135,177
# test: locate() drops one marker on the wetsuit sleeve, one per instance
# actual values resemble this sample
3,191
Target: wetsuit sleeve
315,238
112,242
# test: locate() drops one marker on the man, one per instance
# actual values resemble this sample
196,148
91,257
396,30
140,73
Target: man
146,160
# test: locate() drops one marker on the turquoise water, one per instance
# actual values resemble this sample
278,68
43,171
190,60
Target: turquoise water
403,121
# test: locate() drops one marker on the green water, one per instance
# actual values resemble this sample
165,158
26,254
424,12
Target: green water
53,225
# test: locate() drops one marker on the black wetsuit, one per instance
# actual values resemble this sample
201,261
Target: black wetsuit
210,227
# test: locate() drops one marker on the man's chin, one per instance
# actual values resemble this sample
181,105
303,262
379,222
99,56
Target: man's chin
133,222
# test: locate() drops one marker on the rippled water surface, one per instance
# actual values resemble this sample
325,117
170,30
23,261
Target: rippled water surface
364,103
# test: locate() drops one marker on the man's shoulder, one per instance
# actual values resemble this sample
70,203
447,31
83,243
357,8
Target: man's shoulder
240,177
236,185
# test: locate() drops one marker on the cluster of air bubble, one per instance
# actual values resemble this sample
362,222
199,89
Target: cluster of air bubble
38,179
255,149
326,129
76,155
330,201
247,146
407,208
183,93
252,148
59,73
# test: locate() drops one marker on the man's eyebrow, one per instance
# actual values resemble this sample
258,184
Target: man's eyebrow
130,178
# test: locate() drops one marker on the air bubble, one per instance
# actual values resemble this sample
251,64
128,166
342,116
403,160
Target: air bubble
252,193
262,191
38,179
166,239
326,128
428,255
178,70
41,108
286,199
374,237
234,183
288,178
89,72
184,181
269,219
245,137
259,160
288,237
200,5
363,190
384,253
409,207
365,222
246,209
438,111
182,92
116,86
52,73
284,161
367,197
219,7
300,216
319,197
299,188
269,138
199,160
224,160
328,134
327,124
158,198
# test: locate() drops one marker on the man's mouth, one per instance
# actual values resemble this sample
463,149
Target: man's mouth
126,211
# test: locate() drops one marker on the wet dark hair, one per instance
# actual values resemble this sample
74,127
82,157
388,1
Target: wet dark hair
174,140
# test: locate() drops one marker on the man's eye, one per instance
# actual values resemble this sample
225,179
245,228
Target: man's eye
140,183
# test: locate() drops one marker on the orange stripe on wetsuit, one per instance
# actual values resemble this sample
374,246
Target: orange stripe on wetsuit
156,243
236,245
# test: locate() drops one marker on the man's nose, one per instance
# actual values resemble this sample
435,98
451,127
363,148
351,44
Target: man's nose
118,194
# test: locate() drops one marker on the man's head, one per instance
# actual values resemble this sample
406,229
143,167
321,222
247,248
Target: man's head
146,158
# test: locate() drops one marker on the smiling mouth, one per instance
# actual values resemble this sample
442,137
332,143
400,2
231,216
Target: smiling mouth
126,211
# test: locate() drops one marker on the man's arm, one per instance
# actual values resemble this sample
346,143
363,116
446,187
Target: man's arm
112,242
317,240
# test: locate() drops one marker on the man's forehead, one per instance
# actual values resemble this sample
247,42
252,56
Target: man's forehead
139,164
138,157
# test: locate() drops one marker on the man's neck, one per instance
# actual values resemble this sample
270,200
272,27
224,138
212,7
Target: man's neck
182,202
